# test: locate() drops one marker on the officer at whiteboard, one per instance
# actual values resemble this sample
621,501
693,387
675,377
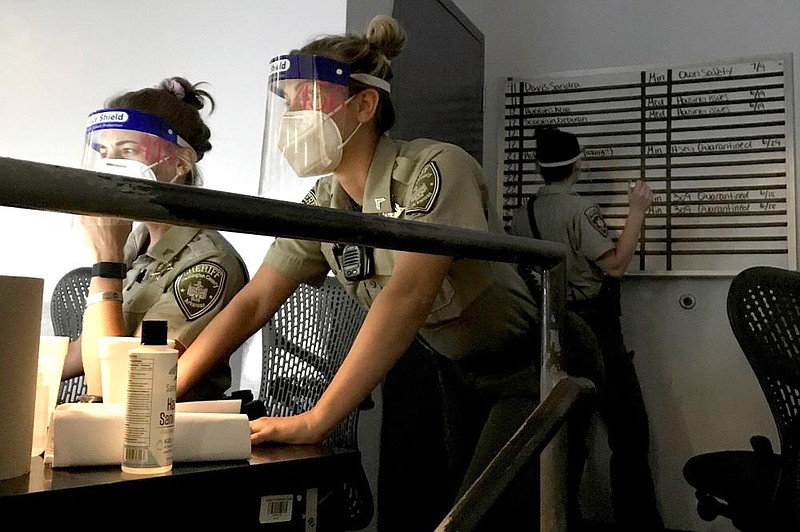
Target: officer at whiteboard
595,262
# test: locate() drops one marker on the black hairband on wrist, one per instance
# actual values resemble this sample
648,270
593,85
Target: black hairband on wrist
110,270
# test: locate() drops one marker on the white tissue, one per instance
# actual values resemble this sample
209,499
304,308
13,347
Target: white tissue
91,434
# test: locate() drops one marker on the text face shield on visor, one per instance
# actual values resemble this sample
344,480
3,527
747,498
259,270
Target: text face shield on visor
130,143
300,137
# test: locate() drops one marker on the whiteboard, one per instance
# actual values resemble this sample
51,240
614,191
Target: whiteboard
715,142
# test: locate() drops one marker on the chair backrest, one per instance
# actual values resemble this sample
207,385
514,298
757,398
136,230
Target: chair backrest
66,314
764,313
304,344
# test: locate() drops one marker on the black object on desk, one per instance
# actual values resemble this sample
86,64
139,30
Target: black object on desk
280,488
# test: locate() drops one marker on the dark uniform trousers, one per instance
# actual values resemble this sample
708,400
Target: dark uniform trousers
441,426
444,421
621,407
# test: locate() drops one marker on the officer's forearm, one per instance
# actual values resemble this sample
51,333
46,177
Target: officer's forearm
246,313
388,330
616,262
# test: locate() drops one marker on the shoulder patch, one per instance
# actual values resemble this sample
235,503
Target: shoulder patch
310,198
198,288
425,190
595,218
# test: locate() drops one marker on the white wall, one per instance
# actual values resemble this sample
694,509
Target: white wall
700,392
59,61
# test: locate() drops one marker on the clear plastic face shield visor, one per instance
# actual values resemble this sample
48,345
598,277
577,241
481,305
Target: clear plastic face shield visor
131,143
301,138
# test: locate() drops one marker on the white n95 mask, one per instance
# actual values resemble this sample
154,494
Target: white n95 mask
126,168
310,141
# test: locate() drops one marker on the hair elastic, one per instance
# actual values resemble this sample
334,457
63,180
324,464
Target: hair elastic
374,81
173,87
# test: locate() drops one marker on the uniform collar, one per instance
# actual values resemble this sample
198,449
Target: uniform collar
339,198
377,193
174,240
557,188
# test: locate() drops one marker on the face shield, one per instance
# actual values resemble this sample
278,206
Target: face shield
301,138
131,143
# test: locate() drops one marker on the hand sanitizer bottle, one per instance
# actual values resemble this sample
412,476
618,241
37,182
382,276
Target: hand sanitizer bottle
150,407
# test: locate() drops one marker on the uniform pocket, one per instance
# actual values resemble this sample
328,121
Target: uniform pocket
140,297
445,307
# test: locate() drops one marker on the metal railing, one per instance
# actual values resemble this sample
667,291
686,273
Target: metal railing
526,444
31,185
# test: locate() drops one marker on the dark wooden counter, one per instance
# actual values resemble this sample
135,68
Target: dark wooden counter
229,494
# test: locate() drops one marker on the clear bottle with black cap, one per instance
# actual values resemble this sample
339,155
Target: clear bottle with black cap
150,407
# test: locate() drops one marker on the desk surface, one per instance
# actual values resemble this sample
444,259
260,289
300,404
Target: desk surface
230,493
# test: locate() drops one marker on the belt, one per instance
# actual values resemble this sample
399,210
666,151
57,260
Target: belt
584,305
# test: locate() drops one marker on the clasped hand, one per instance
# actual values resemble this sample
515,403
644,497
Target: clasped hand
105,236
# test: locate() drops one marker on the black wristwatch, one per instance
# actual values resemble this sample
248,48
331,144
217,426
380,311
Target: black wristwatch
110,270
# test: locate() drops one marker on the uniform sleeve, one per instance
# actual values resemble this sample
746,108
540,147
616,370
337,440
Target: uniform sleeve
592,231
301,260
196,295
449,189
520,225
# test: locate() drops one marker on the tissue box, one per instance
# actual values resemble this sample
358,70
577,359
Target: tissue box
91,434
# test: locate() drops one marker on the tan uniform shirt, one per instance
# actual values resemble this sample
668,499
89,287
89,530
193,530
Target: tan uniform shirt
564,216
185,279
482,305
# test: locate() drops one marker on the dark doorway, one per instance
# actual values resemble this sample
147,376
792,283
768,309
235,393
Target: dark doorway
439,89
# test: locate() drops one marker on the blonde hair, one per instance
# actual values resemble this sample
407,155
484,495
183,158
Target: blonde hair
371,54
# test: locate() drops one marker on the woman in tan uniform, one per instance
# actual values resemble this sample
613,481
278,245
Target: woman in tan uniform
596,259
155,271
328,114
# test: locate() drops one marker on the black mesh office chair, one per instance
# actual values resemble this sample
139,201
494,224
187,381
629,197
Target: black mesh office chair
66,314
304,345
759,490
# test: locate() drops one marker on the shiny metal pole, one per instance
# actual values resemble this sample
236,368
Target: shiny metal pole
553,462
